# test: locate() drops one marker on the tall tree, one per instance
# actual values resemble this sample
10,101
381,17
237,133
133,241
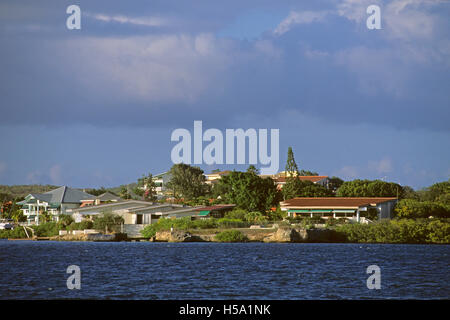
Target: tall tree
124,194
292,185
146,187
186,181
291,166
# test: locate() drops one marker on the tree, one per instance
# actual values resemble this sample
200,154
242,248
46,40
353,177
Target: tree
307,173
146,187
410,208
410,193
292,182
298,188
108,221
369,188
334,183
18,216
248,191
124,194
186,181
291,166
252,169
437,192
65,220
96,192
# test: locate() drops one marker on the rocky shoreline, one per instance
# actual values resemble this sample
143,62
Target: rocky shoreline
275,235
279,235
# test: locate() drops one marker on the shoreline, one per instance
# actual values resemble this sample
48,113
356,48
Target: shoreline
280,235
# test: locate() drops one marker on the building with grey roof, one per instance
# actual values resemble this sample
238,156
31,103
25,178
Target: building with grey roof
54,202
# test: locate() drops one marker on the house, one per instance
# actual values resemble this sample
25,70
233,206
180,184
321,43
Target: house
161,181
339,207
133,211
214,176
216,211
103,198
54,202
136,213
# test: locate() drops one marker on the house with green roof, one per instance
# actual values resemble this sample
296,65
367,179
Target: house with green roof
54,202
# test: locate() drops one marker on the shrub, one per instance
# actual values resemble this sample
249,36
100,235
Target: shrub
65,220
108,221
181,224
397,231
231,223
230,236
47,229
410,208
236,214
277,215
15,233
255,217
85,224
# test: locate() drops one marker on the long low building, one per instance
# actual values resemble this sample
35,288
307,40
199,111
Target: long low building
339,207
134,211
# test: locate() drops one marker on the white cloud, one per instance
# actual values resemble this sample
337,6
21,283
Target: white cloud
169,68
139,21
381,166
355,10
348,172
159,68
400,19
377,69
302,17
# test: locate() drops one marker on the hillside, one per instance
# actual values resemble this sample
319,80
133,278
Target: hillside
20,191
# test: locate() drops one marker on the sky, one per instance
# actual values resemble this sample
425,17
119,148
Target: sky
96,106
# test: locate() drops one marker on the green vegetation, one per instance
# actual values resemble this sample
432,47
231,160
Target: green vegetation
186,181
413,209
298,188
186,223
20,191
248,191
108,222
231,223
86,224
230,236
438,192
295,187
47,229
16,233
397,231
96,192
146,188
369,188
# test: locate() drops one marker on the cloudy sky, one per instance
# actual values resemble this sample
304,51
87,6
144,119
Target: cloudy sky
96,107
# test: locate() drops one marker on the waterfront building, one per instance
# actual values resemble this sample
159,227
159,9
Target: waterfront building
53,202
340,207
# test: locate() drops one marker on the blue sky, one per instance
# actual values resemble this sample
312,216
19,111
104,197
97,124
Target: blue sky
96,107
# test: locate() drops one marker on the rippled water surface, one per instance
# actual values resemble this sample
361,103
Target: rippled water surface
126,270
